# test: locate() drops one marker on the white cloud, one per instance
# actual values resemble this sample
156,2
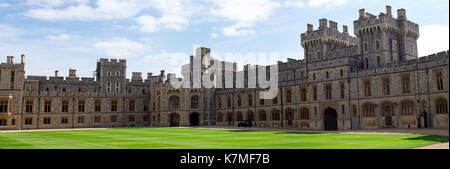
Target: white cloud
433,39
174,16
215,35
148,23
175,64
318,3
81,10
248,11
243,13
61,37
4,5
123,48
239,29
294,3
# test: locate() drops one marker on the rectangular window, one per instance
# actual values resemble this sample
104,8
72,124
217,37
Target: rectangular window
3,106
386,87
328,92
261,102
131,118
28,121
81,106
250,100
98,106
146,118
367,88
65,106
288,96
64,120
47,120
13,77
275,100
315,93
439,81
113,119
303,94
47,106
3,122
406,85
113,106
97,119
131,105
145,106
342,90
80,119
29,106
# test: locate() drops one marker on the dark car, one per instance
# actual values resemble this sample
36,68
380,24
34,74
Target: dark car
245,123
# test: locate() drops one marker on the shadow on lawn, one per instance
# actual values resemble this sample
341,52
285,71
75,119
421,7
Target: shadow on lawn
440,139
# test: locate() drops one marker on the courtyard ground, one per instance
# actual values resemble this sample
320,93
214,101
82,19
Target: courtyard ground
221,138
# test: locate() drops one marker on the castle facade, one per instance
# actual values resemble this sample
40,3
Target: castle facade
372,80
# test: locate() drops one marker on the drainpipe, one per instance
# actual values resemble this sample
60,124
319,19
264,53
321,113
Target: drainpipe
282,106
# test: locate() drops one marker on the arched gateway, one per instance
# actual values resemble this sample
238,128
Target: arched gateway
174,120
330,120
194,119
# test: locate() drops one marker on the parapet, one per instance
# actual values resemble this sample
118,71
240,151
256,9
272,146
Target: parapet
104,61
327,32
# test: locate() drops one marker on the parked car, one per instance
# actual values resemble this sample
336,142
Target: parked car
245,123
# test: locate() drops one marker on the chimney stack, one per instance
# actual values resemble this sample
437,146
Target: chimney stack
72,73
362,13
333,25
388,10
22,59
56,73
345,29
310,28
401,14
323,23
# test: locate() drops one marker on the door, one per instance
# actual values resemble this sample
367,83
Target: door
194,119
174,120
330,120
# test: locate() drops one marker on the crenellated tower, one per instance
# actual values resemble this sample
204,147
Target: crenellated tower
327,38
111,75
385,39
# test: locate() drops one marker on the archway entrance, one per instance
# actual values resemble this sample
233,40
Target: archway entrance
174,120
330,120
194,119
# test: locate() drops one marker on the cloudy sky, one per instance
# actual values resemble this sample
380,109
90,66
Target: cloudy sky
160,34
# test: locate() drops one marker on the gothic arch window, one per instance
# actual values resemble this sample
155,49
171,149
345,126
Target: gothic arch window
439,81
174,102
195,102
377,45
368,110
304,114
407,108
275,115
441,106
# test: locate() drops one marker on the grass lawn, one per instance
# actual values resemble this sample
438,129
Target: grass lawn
187,138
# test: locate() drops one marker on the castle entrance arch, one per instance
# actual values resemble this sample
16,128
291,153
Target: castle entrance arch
330,120
194,119
174,120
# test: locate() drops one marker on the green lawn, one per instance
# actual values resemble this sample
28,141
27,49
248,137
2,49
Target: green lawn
187,138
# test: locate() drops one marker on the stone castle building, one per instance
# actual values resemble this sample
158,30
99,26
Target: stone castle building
371,81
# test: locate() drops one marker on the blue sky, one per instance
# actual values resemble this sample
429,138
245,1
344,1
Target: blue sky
160,34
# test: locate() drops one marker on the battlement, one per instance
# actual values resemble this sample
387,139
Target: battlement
112,61
327,33
368,23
